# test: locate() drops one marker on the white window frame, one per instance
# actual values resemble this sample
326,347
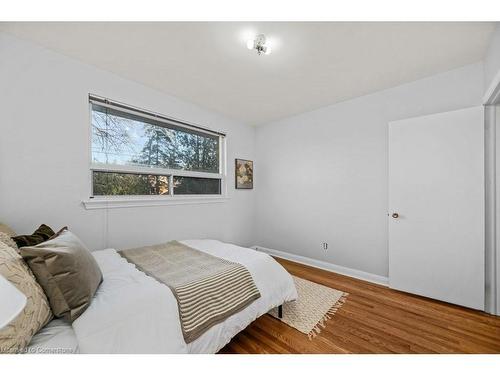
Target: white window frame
122,201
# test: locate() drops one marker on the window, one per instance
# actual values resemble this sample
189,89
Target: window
138,153
195,185
112,183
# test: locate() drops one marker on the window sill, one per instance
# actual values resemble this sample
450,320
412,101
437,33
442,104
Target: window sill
109,202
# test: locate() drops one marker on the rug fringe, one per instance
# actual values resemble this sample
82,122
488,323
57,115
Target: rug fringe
329,314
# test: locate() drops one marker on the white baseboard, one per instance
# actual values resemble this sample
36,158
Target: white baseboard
366,276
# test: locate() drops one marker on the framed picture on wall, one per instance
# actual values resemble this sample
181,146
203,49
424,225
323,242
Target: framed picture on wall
243,174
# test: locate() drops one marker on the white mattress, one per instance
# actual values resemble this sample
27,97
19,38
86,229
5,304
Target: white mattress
133,313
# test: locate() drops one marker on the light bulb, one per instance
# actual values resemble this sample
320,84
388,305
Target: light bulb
268,51
250,44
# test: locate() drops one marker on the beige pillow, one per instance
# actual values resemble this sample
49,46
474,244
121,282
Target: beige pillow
67,272
6,239
16,336
6,229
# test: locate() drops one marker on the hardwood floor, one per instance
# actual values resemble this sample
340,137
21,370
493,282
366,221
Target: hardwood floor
375,319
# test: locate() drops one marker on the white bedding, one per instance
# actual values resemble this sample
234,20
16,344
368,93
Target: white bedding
57,337
133,313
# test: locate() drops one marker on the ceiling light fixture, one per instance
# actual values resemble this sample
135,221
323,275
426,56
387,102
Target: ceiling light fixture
259,44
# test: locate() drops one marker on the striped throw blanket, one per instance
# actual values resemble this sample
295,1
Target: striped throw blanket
208,289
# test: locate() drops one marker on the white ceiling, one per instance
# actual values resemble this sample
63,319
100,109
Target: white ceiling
312,64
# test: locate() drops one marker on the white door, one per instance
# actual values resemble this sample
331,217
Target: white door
436,206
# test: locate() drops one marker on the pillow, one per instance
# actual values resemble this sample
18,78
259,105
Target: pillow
43,233
58,233
36,314
67,272
6,229
6,239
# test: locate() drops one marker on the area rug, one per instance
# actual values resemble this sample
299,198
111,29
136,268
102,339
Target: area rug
315,305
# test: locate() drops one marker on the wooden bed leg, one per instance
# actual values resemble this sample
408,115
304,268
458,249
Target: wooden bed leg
280,311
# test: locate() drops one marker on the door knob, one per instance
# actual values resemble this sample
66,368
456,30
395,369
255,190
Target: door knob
395,215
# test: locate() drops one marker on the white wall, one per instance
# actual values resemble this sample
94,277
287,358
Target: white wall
44,154
322,176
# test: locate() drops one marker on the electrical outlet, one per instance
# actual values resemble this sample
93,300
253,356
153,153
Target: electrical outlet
325,246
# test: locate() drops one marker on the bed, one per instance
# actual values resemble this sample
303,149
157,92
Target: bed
133,313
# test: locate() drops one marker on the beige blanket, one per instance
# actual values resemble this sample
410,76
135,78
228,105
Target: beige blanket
208,289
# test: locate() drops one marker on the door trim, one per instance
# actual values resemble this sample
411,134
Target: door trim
491,102
491,267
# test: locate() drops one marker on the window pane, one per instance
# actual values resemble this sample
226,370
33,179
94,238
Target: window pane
112,183
126,139
194,185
